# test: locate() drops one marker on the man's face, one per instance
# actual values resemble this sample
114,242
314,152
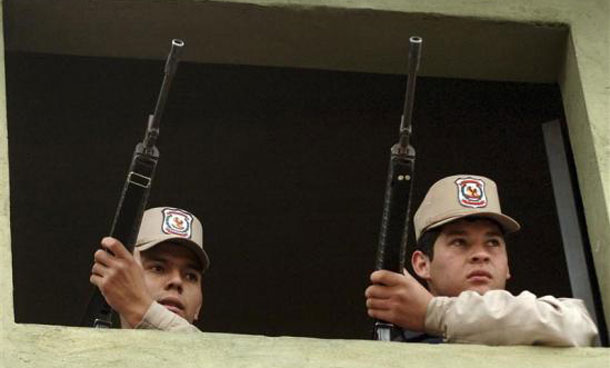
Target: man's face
173,277
468,255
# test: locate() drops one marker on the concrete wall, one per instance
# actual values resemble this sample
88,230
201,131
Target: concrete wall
585,83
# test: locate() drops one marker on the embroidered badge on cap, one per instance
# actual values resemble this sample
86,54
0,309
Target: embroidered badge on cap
471,192
177,222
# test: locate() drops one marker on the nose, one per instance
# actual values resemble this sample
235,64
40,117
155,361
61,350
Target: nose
174,281
479,254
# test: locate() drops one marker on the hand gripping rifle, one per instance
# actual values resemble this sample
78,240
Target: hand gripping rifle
134,197
397,202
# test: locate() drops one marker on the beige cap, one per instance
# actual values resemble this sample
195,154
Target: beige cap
161,224
459,196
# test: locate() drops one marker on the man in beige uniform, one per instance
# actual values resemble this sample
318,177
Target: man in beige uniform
159,286
461,255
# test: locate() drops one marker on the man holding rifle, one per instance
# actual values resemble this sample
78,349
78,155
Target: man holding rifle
160,285
462,257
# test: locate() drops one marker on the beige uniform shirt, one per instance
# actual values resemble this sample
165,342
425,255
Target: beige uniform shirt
500,318
157,317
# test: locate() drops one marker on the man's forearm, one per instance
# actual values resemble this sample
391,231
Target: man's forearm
158,317
500,318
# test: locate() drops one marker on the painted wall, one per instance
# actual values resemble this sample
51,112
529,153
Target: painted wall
585,82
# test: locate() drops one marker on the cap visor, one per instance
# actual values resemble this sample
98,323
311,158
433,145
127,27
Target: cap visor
201,254
508,224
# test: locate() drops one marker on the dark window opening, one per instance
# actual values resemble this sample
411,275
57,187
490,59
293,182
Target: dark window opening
285,167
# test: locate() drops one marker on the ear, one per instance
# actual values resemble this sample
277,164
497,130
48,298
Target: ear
507,266
137,256
196,317
421,264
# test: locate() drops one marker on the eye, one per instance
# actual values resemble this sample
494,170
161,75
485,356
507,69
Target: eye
458,242
156,268
494,242
192,276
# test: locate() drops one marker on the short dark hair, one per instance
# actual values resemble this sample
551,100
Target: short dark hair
426,241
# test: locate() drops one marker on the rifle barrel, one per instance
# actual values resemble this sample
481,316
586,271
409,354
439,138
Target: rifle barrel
415,43
154,121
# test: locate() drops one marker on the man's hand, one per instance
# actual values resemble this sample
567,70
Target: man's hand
121,280
398,299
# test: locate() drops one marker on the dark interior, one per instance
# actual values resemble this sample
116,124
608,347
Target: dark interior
285,167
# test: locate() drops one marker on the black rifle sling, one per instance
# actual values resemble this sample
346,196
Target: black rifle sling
127,220
133,199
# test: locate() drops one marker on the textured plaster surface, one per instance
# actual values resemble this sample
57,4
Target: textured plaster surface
349,39
6,275
585,84
46,346
588,115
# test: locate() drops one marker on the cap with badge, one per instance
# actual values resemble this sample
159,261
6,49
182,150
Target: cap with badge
163,224
459,196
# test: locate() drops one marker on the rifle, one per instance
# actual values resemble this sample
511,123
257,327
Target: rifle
397,202
134,196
